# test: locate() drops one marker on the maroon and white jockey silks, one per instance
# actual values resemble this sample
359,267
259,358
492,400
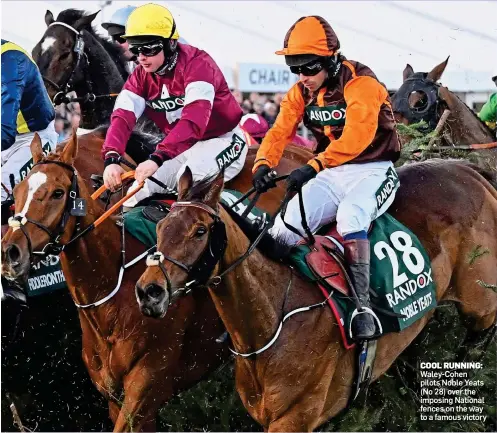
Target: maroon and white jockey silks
191,103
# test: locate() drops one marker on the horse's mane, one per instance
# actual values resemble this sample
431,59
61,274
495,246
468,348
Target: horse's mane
272,248
138,136
70,16
462,103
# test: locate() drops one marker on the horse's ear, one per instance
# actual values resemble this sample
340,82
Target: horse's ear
185,183
36,149
216,188
85,21
436,73
71,149
49,19
408,71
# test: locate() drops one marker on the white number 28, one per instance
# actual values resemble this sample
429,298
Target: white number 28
403,243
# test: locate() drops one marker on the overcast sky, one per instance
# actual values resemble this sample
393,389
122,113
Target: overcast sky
383,35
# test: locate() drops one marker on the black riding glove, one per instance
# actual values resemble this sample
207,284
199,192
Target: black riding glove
300,176
261,179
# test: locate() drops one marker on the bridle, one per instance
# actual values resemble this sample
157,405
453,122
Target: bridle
53,246
200,271
63,89
79,49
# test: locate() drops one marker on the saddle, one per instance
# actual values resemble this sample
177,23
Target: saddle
327,263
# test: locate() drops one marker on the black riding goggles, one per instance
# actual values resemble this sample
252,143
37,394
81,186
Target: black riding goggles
309,69
148,50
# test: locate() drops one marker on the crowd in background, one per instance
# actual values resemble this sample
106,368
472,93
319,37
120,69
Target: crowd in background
267,106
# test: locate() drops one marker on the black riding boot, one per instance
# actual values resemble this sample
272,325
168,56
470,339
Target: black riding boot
358,258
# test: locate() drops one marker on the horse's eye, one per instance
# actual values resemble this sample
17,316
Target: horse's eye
58,193
200,231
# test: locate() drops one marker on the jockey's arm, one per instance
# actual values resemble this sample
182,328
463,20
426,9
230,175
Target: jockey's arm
199,98
13,83
129,106
364,97
291,112
488,112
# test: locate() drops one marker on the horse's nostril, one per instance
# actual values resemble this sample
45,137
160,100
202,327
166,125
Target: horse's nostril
13,254
154,291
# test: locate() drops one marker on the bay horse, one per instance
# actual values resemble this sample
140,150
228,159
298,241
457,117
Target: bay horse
99,68
422,97
137,363
306,377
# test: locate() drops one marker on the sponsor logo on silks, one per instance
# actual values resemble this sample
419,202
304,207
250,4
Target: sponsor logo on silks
332,115
409,288
166,102
232,153
167,105
26,168
387,187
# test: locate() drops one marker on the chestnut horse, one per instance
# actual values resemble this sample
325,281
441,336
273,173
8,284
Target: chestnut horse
136,363
306,377
421,97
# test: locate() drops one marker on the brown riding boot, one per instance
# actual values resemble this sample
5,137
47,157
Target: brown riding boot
357,255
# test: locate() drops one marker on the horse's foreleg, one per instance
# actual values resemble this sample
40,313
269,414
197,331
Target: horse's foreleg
144,393
113,411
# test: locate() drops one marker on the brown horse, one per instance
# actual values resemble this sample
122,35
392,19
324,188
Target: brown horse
136,363
421,97
307,376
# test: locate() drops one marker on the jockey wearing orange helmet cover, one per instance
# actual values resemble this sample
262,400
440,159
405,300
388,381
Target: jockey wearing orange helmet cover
348,110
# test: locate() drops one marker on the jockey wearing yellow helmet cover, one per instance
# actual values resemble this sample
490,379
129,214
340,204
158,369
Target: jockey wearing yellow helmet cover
348,110
184,92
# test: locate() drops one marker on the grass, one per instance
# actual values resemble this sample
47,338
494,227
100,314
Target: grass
214,405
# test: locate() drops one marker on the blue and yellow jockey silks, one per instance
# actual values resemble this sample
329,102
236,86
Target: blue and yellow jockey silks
26,106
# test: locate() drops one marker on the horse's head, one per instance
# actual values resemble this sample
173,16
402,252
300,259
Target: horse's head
60,54
418,97
42,220
190,242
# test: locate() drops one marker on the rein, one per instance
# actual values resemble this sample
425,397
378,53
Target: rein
54,247
158,258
